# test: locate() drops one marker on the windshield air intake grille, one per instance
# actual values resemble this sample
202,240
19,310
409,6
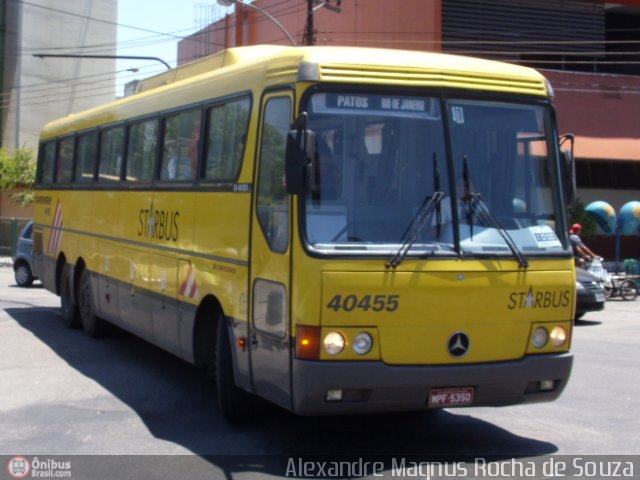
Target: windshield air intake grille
433,78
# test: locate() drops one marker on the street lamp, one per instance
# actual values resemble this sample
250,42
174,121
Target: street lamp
125,57
228,3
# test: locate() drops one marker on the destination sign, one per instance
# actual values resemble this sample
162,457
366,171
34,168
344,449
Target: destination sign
376,104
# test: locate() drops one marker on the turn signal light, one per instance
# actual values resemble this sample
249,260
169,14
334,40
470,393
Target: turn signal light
307,342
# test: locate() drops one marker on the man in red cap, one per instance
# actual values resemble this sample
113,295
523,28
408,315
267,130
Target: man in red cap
581,252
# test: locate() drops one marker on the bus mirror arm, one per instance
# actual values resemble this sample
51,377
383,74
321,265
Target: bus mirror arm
300,156
568,167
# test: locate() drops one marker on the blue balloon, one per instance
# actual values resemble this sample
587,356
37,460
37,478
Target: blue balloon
630,218
604,215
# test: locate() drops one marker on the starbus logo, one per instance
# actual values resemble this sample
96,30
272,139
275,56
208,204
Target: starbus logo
539,299
159,224
19,467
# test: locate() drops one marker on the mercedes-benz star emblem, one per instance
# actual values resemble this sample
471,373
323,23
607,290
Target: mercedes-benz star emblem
459,344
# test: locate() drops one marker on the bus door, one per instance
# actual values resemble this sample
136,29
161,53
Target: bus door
270,257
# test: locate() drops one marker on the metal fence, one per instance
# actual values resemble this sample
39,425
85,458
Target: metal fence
9,230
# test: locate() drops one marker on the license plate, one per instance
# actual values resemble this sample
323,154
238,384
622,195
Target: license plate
600,297
451,397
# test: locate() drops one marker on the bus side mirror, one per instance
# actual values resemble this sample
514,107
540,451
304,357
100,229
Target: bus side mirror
299,157
568,168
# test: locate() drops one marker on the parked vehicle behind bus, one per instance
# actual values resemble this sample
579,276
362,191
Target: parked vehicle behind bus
23,260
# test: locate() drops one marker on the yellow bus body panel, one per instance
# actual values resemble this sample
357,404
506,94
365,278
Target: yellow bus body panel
495,309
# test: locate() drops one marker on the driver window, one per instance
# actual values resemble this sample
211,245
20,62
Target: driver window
272,199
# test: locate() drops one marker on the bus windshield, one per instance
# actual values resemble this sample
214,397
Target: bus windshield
386,182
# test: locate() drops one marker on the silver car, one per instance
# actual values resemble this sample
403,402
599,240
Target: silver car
591,293
23,261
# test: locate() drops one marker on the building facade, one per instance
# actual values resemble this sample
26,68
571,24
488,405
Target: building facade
37,90
34,91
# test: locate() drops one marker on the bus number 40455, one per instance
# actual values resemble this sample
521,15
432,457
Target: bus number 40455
375,303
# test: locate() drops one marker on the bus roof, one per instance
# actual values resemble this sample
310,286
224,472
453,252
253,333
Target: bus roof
265,65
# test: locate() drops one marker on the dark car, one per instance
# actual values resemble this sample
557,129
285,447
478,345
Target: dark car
591,293
23,261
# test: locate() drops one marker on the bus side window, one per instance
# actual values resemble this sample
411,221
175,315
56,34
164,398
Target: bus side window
226,134
110,161
273,202
47,162
180,146
141,151
87,150
65,160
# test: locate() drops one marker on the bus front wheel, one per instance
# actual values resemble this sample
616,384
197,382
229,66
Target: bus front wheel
235,404
94,326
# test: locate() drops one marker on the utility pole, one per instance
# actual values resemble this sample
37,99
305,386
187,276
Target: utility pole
309,37
309,34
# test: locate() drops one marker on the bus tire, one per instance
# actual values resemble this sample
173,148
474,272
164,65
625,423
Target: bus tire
68,307
94,326
235,404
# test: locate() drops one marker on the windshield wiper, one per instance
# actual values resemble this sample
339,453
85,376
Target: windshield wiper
417,225
477,207
437,188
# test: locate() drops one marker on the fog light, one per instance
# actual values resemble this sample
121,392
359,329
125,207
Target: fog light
333,343
334,395
546,385
362,343
558,336
539,337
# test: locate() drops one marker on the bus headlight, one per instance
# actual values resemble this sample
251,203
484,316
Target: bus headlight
539,337
362,343
333,343
558,336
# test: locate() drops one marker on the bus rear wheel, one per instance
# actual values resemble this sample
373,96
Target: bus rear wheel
94,326
68,307
235,404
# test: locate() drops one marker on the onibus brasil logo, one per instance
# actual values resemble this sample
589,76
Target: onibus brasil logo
19,467
22,467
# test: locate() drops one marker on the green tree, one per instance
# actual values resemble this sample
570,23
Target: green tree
578,214
18,170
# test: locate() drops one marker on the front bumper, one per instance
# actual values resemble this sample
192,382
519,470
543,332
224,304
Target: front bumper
587,302
372,387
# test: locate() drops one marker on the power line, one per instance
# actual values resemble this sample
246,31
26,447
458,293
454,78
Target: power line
282,9
99,20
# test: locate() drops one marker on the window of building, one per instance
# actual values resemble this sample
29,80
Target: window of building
613,175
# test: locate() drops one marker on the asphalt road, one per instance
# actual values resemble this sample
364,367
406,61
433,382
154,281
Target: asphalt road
64,394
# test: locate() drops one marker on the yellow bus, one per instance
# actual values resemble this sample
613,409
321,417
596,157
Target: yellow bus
334,230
